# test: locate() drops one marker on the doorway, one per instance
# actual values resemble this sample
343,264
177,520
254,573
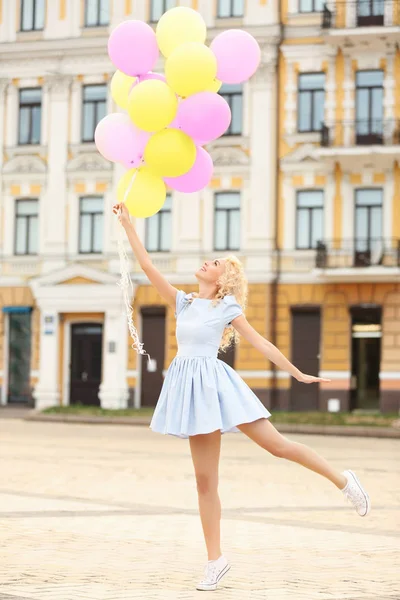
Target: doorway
366,357
306,330
153,323
86,363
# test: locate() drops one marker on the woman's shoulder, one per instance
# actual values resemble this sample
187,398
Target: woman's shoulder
230,299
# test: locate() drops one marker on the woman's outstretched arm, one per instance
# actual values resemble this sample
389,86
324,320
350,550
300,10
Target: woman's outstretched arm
164,288
270,351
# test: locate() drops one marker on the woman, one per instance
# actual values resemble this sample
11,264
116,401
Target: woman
202,397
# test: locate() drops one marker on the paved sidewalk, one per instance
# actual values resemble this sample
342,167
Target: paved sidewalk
110,513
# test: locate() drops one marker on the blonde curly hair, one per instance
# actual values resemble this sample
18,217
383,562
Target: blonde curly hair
232,282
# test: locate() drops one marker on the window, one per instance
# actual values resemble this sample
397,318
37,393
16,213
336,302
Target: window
233,94
159,7
26,227
158,229
94,109
30,115
91,225
368,218
97,13
32,15
311,96
370,12
230,8
227,221
369,106
309,218
308,6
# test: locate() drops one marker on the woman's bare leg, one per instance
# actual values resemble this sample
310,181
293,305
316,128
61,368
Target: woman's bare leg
265,435
205,450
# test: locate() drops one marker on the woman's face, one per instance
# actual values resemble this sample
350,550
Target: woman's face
211,270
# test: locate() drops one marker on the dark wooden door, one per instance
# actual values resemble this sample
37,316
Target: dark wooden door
306,326
153,321
86,361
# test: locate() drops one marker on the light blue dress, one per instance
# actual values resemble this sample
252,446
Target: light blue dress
201,393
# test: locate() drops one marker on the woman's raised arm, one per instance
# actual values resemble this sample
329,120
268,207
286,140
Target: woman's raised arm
164,288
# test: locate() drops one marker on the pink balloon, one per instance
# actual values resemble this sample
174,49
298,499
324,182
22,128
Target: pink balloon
132,47
238,55
148,76
119,140
197,178
204,116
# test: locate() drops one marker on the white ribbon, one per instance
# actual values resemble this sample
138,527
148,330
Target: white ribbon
125,282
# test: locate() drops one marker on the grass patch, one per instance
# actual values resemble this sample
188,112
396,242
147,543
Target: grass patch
298,418
97,411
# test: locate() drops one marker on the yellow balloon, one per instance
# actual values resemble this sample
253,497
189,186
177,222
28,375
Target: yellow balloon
147,192
120,87
190,69
170,153
215,86
152,105
178,26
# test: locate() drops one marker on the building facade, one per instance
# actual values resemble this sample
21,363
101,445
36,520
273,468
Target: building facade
306,191
63,329
339,200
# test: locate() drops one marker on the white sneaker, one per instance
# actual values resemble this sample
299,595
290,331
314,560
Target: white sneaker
355,494
213,573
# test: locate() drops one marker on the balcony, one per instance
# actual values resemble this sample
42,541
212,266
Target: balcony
360,141
358,259
367,23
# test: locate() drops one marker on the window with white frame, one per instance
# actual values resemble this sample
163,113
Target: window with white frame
309,6
233,94
32,15
30,116
309,218
97,13
159,7
26,239
91,212
159,229
93,110
311,100
230,8
227,221
368,218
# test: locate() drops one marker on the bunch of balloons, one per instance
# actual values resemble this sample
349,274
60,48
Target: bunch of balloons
168,118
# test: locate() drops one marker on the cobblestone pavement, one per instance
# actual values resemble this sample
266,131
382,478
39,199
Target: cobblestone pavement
110,513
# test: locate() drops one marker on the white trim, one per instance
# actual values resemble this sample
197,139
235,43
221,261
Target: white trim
34,372
389,375
132,373
65,366
335,374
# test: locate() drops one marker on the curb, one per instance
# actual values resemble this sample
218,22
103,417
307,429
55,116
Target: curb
339,430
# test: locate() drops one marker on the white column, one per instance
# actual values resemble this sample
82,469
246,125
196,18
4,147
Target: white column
114,386
12,116
261,194
46,392
55,197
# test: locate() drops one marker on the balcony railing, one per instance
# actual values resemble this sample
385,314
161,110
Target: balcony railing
359,252
361,132
361,13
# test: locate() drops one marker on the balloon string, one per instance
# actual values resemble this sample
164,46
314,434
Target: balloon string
125,282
